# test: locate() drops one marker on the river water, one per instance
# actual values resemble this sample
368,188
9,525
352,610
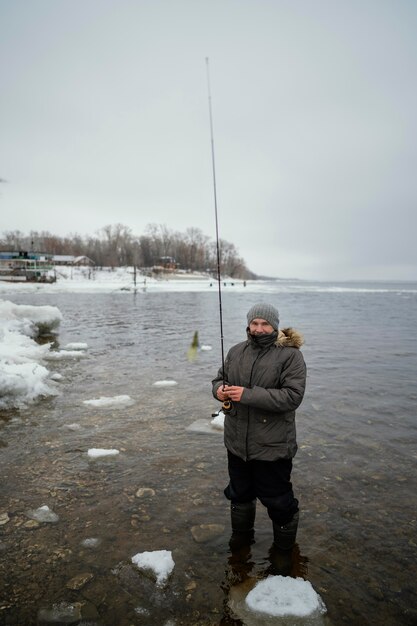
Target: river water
354,473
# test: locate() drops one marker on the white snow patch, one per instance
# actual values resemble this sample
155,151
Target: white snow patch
284,596
165,383
95,453
111,401
160,562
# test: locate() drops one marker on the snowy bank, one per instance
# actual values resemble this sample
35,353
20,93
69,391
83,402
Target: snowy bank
121,279
23,377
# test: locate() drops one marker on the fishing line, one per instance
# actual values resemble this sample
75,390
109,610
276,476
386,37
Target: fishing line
227,405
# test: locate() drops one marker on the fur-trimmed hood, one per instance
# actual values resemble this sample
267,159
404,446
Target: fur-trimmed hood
289,337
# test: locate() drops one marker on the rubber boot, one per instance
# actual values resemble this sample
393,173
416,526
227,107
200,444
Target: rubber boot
243,520
280,561
284,536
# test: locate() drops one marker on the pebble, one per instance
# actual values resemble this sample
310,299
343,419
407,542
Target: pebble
190,586
31,524
43,514
4,518
145,491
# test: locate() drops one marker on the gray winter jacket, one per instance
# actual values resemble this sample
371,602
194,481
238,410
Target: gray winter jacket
262,425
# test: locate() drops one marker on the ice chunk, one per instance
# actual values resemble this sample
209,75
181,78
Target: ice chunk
43,514
284,596
165,383
218,421
91,542
95,453
76,346
205,348
203,426
160,562
64,355
22,383
37,319
112,401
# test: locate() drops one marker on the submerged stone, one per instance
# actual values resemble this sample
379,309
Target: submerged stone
43,514
91,542
62,613
79,581
30,524
145,491
205,532
4,518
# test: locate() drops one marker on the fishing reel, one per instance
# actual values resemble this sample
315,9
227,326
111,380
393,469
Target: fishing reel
227,406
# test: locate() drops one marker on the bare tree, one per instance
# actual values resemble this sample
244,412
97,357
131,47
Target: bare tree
115,245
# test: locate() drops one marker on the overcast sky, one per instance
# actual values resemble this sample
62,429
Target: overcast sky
104,119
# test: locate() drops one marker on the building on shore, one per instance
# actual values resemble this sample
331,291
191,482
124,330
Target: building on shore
74,261
23,266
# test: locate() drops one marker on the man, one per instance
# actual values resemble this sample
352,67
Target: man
264,379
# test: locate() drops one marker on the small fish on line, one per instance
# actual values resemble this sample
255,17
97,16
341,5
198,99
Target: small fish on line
193,349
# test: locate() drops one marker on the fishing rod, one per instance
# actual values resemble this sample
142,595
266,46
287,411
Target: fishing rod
227,405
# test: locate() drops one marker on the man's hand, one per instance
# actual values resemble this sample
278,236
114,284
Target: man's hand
230,392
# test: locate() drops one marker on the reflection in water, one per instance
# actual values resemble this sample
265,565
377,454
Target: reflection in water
354,472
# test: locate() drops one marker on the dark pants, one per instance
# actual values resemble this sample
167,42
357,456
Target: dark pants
269,481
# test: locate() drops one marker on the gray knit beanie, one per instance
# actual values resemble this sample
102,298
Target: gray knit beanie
265,312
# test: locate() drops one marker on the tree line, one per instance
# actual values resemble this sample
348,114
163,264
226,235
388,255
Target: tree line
116,246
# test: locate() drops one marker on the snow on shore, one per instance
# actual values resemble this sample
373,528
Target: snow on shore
23,374
105,280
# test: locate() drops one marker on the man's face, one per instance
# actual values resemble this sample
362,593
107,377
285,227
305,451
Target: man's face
258,326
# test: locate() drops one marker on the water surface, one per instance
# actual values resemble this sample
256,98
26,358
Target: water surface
354,473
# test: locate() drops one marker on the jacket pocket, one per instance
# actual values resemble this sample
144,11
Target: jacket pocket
270,431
